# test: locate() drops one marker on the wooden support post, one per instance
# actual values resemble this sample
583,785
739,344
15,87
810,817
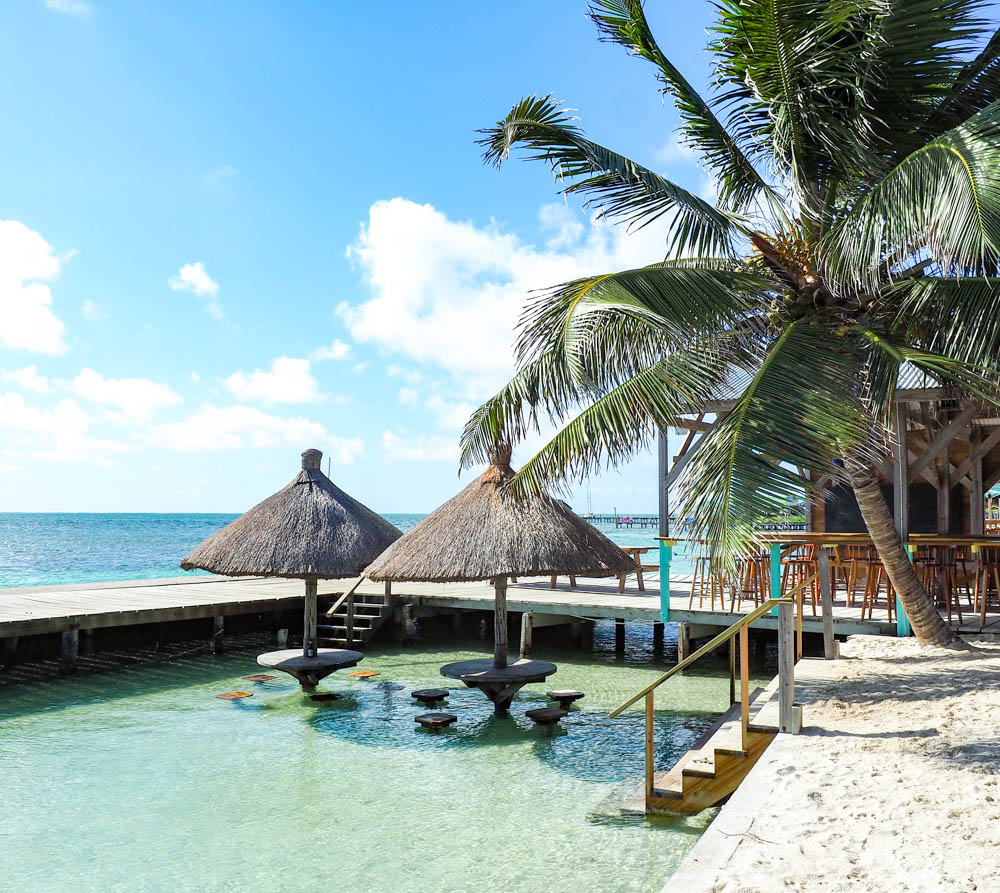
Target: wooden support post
744,685
350,620
977,498
282,637
732,671
683,641
786,669
408,622
218,633
456,623
649,746
526,625
944,494
309,641
619,635
388,593
500,622
658,636
826,598
8,651
900,471
69,650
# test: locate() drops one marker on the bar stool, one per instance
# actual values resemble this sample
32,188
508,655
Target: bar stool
799,565
706,577
875,577
989,567
856,559
752,576
936,570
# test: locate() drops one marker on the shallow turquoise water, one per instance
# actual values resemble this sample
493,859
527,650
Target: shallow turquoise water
38,549
136,778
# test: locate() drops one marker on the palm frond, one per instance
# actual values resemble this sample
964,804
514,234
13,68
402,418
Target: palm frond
620,187
802,409
959,317
681,303
624,22
620,423
943,199
973,379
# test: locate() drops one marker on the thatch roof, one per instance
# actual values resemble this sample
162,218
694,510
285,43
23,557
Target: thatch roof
310,529
484,532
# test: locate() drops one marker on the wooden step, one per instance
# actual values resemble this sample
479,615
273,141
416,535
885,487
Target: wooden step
708,773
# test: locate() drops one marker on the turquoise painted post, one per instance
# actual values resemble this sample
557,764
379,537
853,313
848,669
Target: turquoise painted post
902,621
775,591
666,554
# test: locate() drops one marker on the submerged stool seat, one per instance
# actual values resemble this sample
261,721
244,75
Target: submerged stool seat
430,695
546,717
435,721
564,696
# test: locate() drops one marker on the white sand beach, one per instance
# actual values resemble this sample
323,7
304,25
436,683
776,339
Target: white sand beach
893,785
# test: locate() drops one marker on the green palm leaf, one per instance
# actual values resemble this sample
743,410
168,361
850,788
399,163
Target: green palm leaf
943,199
620,187
624,22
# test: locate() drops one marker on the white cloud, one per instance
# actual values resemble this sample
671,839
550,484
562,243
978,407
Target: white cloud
288,381
136,399
92,311
27,379
409,396
420,447
449,293
450,414
674,150
10,466
236,427
195,378
219,178
338,350
61,433
26,318
195,279
76,8
358,368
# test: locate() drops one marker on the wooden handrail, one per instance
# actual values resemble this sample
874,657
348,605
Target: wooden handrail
714,643
336,605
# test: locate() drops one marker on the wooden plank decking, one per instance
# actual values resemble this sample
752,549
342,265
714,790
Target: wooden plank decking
49,609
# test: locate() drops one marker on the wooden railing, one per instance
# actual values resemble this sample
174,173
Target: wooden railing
347,597
787,656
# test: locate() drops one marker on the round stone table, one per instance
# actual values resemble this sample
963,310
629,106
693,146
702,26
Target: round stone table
499,684
310,670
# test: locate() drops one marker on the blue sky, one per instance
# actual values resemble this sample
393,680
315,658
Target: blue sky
234,230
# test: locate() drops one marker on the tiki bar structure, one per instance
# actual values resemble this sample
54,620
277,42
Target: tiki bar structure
943,459
309,530
484,533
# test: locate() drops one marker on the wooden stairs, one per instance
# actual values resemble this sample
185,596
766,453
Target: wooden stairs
712,770
370,612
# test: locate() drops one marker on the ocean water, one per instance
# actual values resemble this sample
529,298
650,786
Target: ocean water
135,777
38,549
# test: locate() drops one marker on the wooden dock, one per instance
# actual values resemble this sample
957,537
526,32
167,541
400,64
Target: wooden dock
54,609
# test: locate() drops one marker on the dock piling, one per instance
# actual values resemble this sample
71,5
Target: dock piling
8,651
619,635
69,650
282,637
218,633
527,624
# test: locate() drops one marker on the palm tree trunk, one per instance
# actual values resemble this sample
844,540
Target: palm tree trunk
927,624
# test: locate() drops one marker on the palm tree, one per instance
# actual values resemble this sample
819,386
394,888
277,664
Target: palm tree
855,145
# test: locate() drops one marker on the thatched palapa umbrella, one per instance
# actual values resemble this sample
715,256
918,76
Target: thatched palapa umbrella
310,530
484,533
